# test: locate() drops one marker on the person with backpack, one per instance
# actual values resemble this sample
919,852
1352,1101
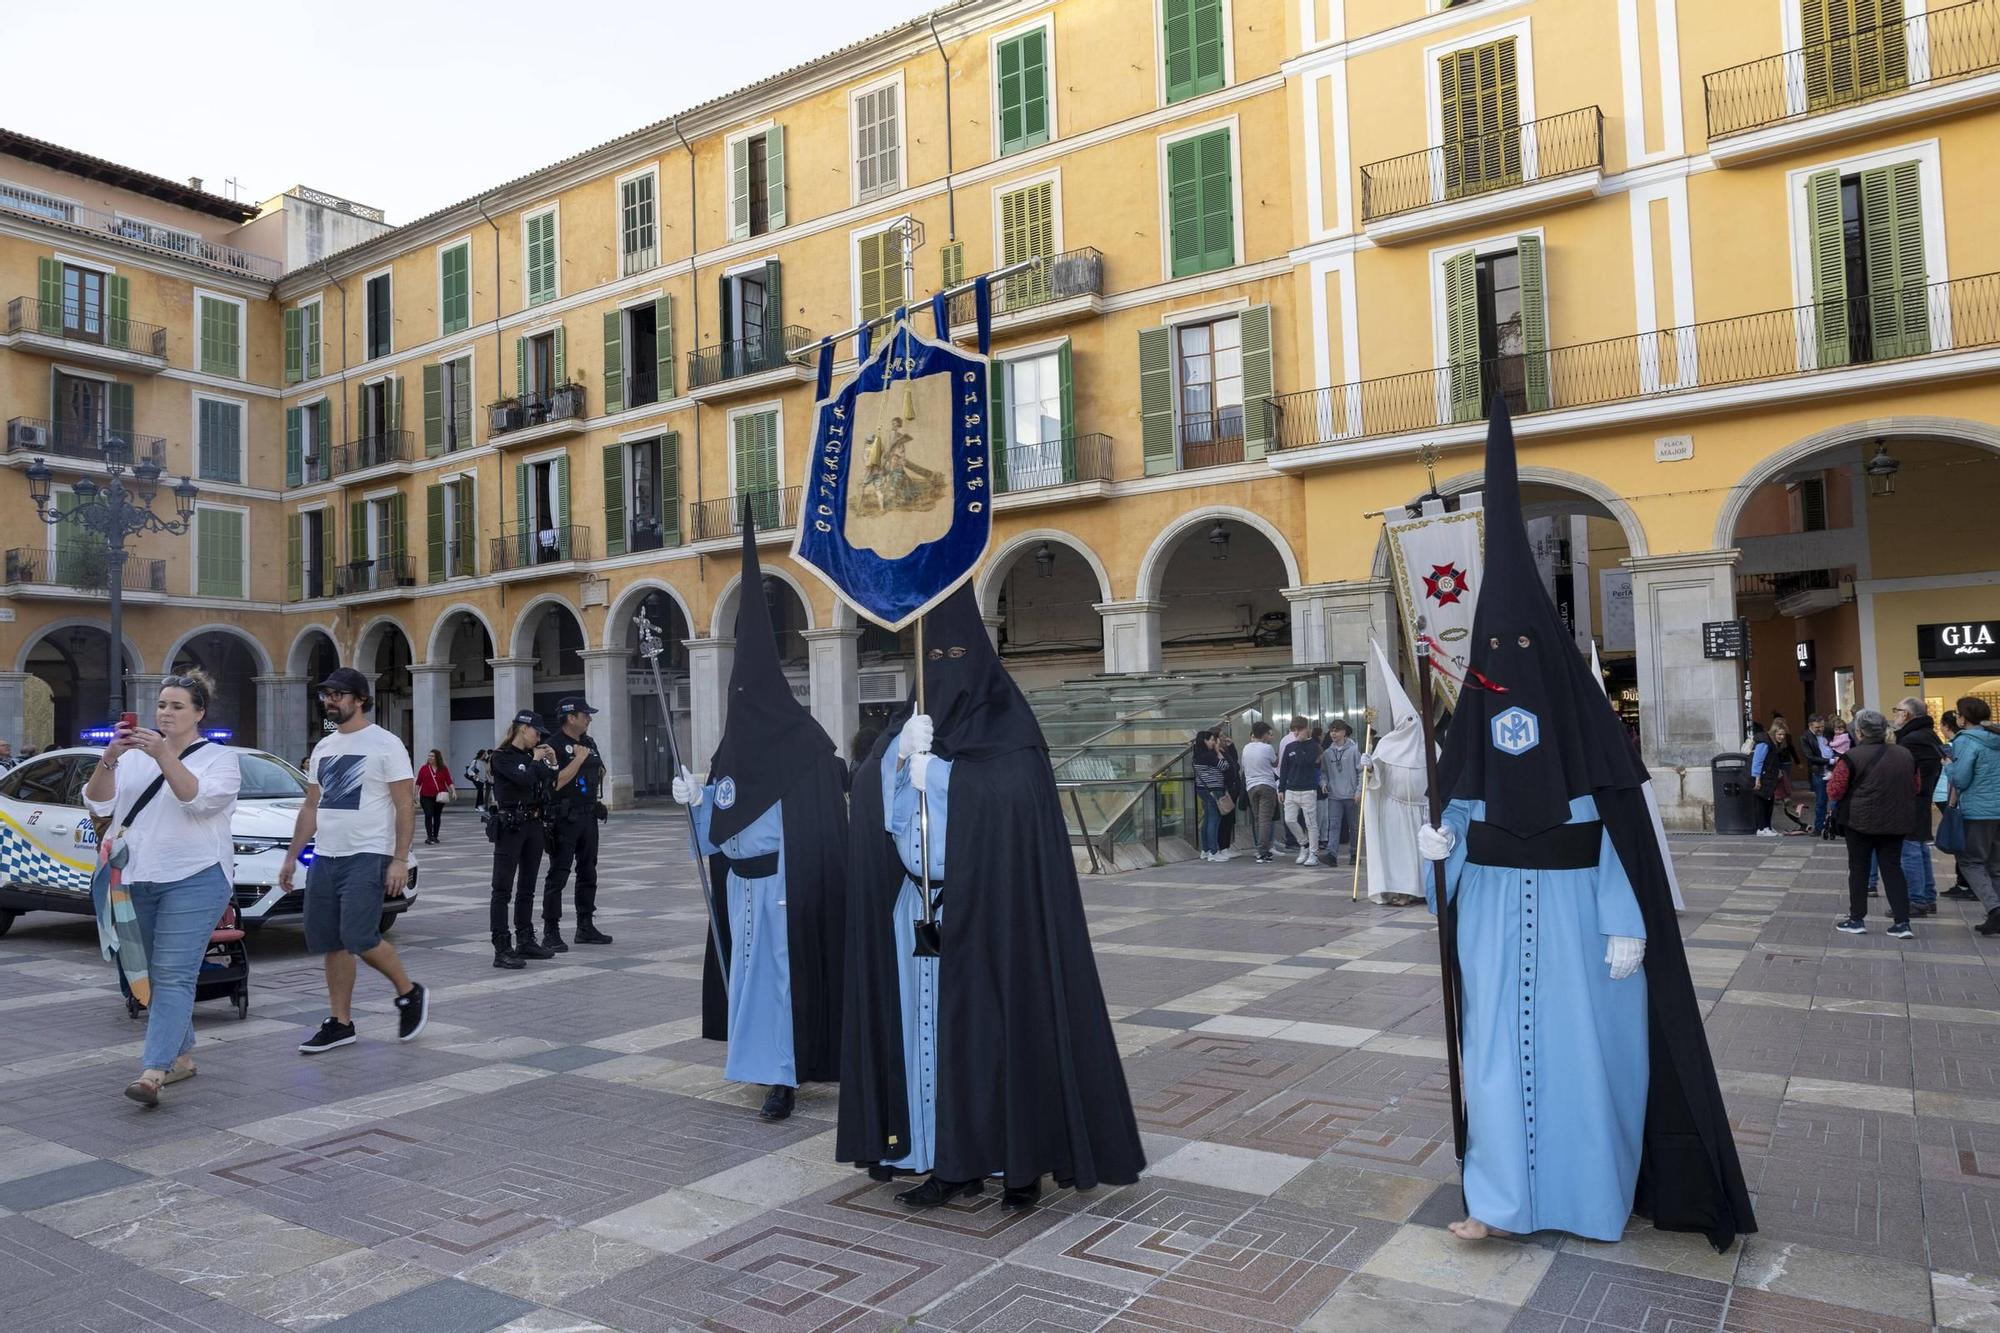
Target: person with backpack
1872,787
1974,772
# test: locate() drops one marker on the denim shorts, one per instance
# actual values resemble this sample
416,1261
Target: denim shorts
344,896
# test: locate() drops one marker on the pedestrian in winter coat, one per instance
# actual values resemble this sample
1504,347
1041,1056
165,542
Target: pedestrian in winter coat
1917,733
1873,785
1975,780
1340,771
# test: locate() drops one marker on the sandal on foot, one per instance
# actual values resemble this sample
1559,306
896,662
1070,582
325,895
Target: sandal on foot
183,1069
145,1089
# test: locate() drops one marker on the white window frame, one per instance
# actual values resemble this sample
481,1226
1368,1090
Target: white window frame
389,272
656,437
83,373
1930,193
242,406
854,239
242,328
470,356
554,209
1053,177
443,247
1047,23
1522,31
854,97
618,216
532,462
1166,142
308,410
729,187
1160,54
78,261
1485,245
773,405
1048,347
375,533
626,307
194,541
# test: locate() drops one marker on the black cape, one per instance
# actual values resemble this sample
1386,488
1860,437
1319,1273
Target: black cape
1523,656
773,749
1029,1081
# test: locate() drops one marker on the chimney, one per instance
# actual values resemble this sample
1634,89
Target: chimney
194,182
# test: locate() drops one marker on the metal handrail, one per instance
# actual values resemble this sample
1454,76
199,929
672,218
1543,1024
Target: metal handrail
88,441
1030,467
74,322
1213,439
1918,52
523,548
377,450
563,402
146,235
1476,164
1890,324
1078,272
85,568
775,508
373,574
751,355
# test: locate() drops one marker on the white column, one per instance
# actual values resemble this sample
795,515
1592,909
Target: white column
14,709
430,707
835,672
1690,707
994,624
142,692
1131,636
604,689
281,716
709,661
1331,622
513,689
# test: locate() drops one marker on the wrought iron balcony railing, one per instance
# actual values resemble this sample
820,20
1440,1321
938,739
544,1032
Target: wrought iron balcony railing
1919,52
86,568
383,447
651,534
562,403
1211,440
745,356
89,442
1888,325
315,582
1073,458
1786,584
148,235
1480,164
76,321
524,548
773,507
1071,273
380,574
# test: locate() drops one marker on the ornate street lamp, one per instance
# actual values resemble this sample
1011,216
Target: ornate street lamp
1882,470
115,512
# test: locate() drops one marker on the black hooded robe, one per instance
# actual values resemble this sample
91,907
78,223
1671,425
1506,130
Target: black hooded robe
1028,1080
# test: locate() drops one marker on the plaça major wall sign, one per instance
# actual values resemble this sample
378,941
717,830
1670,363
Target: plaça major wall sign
1961,648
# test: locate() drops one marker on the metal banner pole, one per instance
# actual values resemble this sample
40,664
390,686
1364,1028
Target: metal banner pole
929,937
1361,811
649,648
1447,914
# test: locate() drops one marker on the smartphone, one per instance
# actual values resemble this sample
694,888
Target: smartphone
128,720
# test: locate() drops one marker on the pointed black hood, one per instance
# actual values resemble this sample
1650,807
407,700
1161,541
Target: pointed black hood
1532,731
979,710
768,736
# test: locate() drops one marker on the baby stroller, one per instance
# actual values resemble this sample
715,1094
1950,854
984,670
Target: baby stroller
225,969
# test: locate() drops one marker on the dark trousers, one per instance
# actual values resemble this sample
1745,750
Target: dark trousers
433,816
575,843
479,790
517,856
1886,849
1764,805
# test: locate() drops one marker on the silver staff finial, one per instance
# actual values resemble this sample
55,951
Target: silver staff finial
649,635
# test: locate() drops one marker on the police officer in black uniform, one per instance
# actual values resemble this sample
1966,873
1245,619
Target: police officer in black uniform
573,819
524,776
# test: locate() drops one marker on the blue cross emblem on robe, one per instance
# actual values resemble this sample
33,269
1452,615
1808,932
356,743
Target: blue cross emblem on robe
1516,731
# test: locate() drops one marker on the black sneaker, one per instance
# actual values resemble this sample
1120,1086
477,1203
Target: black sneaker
1900,930
1991,925
552,939
1850,926
589,934
331,1033
413,1012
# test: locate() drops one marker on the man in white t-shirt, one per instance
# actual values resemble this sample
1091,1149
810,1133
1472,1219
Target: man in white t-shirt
359,818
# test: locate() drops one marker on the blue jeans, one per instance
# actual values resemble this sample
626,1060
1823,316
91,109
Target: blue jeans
1917,869
175,918
1819,801
1211,824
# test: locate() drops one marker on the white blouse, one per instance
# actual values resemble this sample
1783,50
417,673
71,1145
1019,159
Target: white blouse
174,838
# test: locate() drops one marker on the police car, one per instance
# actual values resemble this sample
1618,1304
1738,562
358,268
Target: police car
48,846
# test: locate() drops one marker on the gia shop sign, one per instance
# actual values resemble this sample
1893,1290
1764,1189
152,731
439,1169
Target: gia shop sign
1960,648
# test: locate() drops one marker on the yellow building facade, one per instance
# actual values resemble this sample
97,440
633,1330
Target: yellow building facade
1718,259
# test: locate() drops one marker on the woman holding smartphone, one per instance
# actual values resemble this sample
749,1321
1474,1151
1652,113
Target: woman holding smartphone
170,796
433,790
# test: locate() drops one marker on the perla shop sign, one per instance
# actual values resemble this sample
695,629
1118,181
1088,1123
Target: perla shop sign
1960,648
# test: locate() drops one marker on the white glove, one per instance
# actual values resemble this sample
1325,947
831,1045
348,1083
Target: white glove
1435,844
686,790
1624,954
915,737
1366,760
920,765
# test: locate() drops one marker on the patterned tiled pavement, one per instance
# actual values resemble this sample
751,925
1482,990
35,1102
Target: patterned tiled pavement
560,1152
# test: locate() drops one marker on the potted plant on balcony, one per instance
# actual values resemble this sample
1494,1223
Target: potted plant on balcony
504,415
20,567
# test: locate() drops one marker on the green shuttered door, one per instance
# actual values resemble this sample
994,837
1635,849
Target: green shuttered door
1200,205
1461,289
614,499
1156,400
1892,229
614,361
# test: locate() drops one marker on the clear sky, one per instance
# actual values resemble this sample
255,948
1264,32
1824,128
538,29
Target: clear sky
407,106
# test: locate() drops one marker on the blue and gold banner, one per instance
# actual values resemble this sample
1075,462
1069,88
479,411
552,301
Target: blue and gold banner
898,500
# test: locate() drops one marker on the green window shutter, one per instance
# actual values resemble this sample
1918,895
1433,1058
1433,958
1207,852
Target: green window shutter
434,533
312,340
725,318
663,344
521,367
219,553
357,532
774,175
614,361
399,527
1011,95
433,411
614,499
455,304
1258,381
396,403
559,359
1156,400
1829,259
121,414
49,296
294,447
1893,239
1024,91
1066,382
294,557
118,311
1480,117
999,414
524,538
1208,40
1534,325
219,337
461,404
468,526
328,556
1461,321
1218,204
951,259
295,363
739,190
670,488
562,502
870,267
1812,34
1027,231
1184,207
1193,45
774,310
323,441
220,448
541,241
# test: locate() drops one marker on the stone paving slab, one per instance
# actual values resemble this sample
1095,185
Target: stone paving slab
560,1151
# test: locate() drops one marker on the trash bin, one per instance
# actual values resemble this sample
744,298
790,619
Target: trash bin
1735,799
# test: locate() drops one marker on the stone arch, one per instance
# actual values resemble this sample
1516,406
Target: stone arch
1977,434
989,579
522,641
440,635
369,641
136,663
1153,567
618,621
1590,488
298,656
717,624
237,632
